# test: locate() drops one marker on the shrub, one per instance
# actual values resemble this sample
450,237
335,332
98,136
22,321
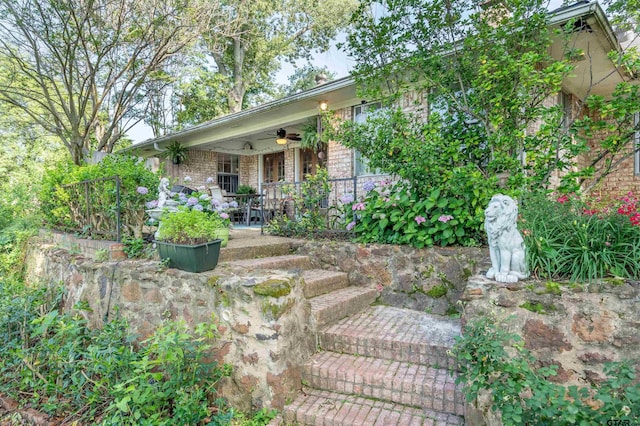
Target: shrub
566,238
55,363
494,360
396,214
62,206
309,218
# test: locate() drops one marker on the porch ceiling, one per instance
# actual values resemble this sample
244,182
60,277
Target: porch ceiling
256,127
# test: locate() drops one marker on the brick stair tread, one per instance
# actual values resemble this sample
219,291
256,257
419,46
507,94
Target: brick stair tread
231,254
320,281
318,407
394,333
286,262
393,381
338,304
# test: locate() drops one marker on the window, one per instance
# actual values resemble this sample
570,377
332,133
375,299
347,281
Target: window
273,167
361,164
308,163
636,144
228,172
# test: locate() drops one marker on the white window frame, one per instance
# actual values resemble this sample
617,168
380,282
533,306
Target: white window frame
636,145
360,163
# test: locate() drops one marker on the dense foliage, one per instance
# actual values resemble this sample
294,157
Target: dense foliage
398,214
65,207
570,238
54,362
488,78
493,360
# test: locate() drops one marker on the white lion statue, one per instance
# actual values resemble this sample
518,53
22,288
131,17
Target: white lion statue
506,245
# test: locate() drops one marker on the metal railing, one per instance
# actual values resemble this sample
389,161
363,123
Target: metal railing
94,208
280,199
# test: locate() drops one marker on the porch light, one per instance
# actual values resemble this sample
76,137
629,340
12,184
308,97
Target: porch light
324,105
281,133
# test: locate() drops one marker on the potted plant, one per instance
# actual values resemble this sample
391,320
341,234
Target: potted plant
246,189
188,238
176,152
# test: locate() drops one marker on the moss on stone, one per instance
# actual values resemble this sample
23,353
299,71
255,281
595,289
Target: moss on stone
212,281
615,281
537,307
437,291
273,288
225,299
274,310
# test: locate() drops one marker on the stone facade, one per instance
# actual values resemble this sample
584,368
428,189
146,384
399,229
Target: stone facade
265,335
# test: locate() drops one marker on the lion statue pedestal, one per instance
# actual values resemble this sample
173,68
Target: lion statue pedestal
506,246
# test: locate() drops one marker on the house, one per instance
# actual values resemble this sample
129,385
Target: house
261,144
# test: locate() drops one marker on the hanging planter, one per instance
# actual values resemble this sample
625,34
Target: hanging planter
176,152
311,138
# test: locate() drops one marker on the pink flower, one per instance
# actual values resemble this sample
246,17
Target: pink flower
224,215
420,219
563,199
357,206
445,218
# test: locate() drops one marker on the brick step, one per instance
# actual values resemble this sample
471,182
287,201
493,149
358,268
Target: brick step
395,334
317,407
287,263
229,254
392,381
318,281
338,304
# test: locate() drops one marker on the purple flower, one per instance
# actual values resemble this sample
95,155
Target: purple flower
420,219
210,180
224,215
192,201
369,185
152,204
358,206
224,206
347,198
198,207
187,179
445,218
233,204
215,203
142,190
350,225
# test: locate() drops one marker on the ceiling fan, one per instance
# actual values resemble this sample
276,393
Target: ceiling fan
282,134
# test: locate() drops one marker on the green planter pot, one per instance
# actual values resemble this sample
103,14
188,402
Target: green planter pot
199,258
223,234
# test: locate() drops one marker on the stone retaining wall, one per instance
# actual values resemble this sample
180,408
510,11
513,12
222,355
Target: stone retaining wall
263,319
576,327
428,280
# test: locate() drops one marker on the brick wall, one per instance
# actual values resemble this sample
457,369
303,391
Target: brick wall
199,166
248,173
623,179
